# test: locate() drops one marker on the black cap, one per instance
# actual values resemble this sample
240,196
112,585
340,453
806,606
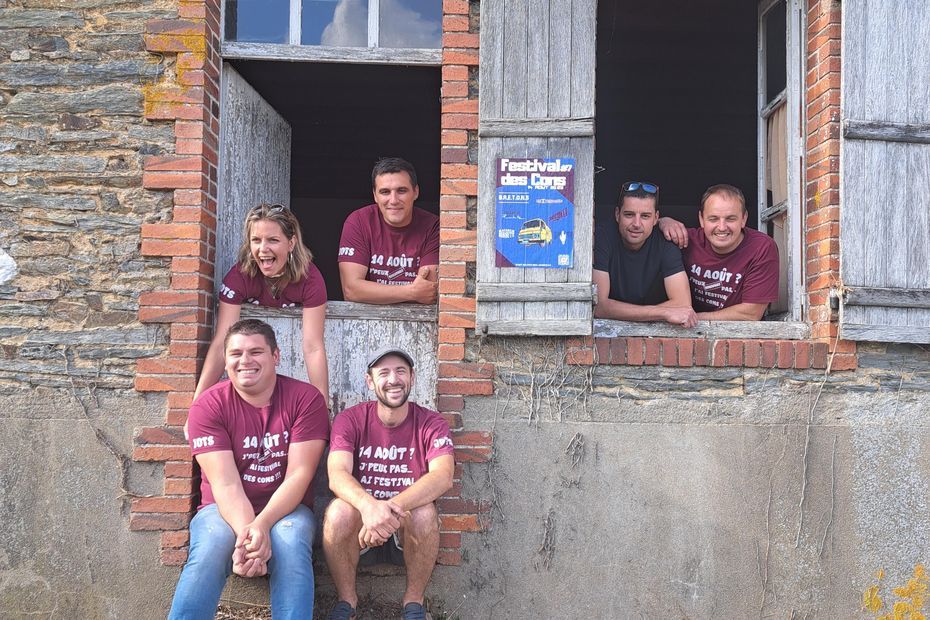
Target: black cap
390,351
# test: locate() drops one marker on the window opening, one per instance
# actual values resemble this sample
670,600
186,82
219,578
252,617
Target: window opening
340,129
676,101
694,94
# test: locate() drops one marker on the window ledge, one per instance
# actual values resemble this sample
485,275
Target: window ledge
351,310
320,53
705,330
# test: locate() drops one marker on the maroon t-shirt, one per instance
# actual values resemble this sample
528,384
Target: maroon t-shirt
388,460
392,255
748,274
259,437
239,288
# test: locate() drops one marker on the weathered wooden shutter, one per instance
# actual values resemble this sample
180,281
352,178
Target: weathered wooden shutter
255,167
255,162
885,172
537,100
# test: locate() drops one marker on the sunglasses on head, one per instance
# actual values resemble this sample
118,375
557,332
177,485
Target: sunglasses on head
632,186
269,209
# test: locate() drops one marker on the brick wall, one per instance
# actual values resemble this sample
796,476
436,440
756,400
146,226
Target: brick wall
687,352
186,97
457,204
822,183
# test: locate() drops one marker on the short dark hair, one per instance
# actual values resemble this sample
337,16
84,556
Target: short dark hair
393,165
639,192
726,190
252,327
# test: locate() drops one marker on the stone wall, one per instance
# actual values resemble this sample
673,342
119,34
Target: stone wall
72,143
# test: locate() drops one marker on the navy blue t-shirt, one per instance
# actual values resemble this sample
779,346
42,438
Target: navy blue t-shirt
636,277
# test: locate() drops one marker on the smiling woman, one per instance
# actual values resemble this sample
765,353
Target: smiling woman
273,269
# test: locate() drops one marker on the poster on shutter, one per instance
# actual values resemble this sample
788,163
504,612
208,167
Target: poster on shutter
535,202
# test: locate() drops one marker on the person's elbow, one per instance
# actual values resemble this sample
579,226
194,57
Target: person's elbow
348,291
755,312
313,346
334,481
448,476
353,290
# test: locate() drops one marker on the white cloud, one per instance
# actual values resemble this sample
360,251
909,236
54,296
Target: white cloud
400,26
349,27
404,27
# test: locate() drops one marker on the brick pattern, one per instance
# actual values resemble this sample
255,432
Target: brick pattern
459,378
688,352
822,180
188,97
458,192
459,515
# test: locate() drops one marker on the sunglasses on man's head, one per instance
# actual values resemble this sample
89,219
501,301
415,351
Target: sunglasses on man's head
632,186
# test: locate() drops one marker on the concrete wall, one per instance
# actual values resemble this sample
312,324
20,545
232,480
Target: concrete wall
695,493
72,140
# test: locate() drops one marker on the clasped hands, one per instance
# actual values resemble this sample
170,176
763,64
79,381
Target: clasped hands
252,552
380,519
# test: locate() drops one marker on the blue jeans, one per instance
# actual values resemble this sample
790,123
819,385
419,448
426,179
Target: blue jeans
209,563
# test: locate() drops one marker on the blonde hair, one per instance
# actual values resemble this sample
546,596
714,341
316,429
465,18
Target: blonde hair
298,259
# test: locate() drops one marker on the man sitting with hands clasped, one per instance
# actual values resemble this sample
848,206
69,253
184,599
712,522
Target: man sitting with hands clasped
389,461
639,275
258,438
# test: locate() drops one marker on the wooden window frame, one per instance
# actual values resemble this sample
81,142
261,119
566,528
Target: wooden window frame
791,97
794,327
293,50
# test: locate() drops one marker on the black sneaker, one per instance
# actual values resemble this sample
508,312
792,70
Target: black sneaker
414,611
341,611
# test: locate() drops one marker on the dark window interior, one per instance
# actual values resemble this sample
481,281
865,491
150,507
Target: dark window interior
676,101
776,66
344,117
